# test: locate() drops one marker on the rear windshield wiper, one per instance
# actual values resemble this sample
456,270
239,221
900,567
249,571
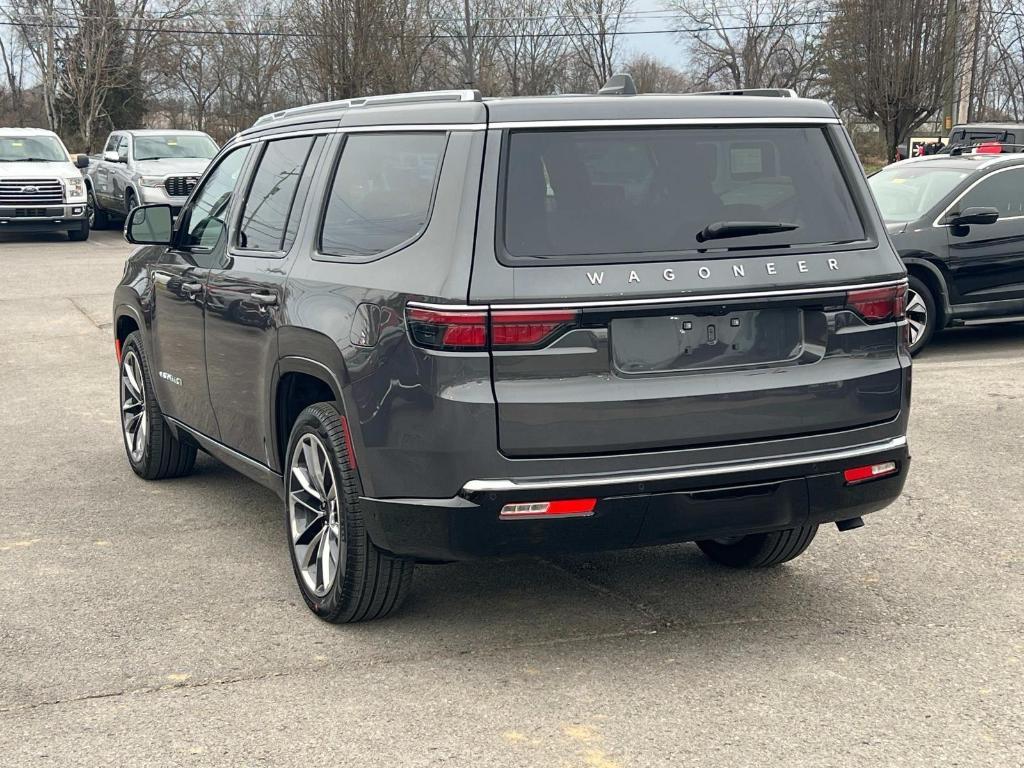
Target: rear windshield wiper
720,230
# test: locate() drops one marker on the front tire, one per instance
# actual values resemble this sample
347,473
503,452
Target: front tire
153,452
98,218
79,235
342,575
760,550
922,315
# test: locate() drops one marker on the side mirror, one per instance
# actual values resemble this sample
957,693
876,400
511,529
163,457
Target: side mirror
975,216
111,156
149,225
81,161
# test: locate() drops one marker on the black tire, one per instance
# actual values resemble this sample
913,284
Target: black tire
79,235
163,455
368,584
921,328
760,550
98,218
130,202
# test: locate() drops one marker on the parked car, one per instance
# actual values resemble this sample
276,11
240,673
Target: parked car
145,166
1009,135
958,222
524,325
41,187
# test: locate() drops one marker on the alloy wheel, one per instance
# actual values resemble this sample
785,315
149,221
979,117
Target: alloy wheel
90,206
917,316
134,419
314,515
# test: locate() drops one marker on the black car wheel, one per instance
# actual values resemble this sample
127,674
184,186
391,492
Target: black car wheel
97,217
130,203
759,550
153,452
342,575
921,314
79,235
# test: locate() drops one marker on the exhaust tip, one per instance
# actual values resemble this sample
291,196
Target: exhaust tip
851,524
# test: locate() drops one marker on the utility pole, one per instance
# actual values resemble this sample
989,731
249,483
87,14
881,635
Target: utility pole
470,69
952,61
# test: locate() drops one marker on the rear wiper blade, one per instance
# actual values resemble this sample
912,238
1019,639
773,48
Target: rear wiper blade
720,230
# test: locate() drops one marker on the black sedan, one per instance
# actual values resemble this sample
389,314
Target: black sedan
958,223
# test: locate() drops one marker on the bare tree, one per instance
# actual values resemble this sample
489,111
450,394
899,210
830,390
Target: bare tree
593,28
531,47
654,76
756,44
890,61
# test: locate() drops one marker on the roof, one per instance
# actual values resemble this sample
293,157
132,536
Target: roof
988,127
160,132
26,132
468,107
972,161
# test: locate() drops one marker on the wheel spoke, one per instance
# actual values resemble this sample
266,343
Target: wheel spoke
316,472
309,559
916,304
300,474
311,530
324,558
132,379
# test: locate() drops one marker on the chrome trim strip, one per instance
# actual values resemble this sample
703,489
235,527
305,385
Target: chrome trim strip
667,121
241,457
689,298
493,486
420,127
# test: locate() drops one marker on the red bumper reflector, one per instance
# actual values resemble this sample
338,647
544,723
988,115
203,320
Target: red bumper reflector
563,507
870,472
117,349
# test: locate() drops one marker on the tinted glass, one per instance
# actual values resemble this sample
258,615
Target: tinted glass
652,190
908,192
381,193
271,194
172,145
1002,191
206,220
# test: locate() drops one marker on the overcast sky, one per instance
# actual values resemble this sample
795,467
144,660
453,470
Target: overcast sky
651,15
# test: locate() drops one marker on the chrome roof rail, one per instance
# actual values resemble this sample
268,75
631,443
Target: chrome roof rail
785,93
372,101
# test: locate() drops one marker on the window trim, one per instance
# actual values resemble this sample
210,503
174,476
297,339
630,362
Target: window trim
319,254
507,259
261,147
189,206
967,190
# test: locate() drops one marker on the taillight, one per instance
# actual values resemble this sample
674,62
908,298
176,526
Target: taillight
869,472
462,330
524,329
989,148
879,304
561,508
455,330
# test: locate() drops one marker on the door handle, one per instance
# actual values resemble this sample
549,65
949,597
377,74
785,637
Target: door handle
264,299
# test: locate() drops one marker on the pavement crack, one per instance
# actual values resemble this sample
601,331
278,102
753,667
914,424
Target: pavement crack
80,308
636,605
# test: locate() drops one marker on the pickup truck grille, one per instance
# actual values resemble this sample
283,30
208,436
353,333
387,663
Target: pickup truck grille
31,192
180,186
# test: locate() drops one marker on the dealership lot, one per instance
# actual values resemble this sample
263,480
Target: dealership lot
145,624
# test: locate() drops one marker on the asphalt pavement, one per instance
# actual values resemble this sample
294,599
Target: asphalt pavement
159,623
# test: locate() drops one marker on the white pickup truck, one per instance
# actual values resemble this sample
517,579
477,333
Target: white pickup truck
145,166
41,188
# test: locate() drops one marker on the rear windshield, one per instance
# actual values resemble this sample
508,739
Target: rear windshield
645,191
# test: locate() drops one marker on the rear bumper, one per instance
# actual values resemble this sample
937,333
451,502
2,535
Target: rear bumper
686,504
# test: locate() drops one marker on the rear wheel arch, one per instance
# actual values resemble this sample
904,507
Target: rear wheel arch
126,321
299,382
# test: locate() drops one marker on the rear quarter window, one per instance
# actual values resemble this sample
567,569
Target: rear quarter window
382,192
570,194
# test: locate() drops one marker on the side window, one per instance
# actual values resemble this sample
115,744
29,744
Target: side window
204,222
272,193
112,143
1002,191
381,193
122,148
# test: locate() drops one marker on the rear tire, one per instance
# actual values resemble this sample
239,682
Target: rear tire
79,235
760,550
323,520
153,451
922,314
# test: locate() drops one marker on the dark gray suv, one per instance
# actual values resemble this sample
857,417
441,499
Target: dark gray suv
445,327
